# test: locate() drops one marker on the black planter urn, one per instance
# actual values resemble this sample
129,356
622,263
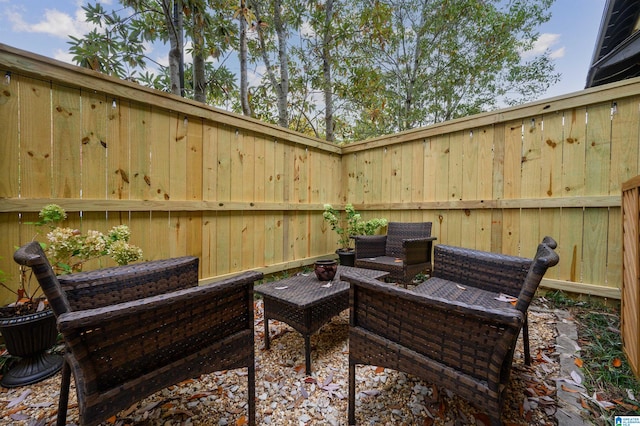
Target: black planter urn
346,257
29,337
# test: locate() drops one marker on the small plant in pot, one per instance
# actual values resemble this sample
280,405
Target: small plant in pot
349,226
28,325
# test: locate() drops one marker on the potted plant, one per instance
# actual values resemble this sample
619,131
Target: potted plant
28,325
348,227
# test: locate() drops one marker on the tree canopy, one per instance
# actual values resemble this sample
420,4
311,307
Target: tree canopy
335,69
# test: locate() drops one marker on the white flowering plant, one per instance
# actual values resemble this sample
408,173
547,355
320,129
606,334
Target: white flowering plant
69,249
350,226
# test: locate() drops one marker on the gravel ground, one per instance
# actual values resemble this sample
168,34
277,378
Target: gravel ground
285,396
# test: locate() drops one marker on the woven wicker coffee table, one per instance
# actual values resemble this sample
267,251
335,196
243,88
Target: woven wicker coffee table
306,303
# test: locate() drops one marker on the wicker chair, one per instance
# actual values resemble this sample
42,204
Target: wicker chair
133,330
445,331
404,252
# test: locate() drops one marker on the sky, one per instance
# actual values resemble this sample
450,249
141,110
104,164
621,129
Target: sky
43,26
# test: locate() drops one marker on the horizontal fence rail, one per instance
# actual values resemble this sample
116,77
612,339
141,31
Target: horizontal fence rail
241,194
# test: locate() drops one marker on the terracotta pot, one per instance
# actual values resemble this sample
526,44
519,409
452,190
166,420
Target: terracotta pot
325,269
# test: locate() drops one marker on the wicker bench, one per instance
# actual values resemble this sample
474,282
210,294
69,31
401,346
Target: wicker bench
133,330
455,330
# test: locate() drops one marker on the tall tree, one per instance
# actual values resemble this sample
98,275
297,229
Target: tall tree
245,16
270,23
118,45
434,60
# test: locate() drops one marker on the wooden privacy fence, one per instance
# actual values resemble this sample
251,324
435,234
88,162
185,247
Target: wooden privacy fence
241,194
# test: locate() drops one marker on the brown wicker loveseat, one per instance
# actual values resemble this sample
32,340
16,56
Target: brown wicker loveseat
133,330
456,330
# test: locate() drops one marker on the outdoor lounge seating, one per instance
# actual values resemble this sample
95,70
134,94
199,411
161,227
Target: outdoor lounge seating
404,252
457,330
133,330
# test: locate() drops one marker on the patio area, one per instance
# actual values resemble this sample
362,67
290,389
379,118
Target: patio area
286,396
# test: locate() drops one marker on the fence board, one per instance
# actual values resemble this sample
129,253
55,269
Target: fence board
456,178
624,142
118,158
598,149
9,143
594,255
551,155
531,170
67,122
36,175
574,152
94,145
513,159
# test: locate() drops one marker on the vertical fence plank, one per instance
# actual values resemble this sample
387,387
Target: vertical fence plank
94,145
598,149
624,142
531,156
10,142
36,175
574,153
551,150
67,123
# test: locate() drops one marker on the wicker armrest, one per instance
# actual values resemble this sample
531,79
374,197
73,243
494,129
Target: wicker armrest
508,317
370,246
417,250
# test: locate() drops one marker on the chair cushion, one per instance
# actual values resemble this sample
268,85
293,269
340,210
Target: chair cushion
450,290
382,263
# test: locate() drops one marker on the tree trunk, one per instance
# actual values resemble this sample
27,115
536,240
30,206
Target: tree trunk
244,81
283,57
326,72
199,76
173,15
281,87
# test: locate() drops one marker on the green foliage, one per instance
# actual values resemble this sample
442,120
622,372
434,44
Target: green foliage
350,226
119,44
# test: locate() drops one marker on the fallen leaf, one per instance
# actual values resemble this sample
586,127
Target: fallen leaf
566,389
506,298
328,380
19,399
578,362
304,392
379,370
616,362
576,377
199,395
242,420
16,409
